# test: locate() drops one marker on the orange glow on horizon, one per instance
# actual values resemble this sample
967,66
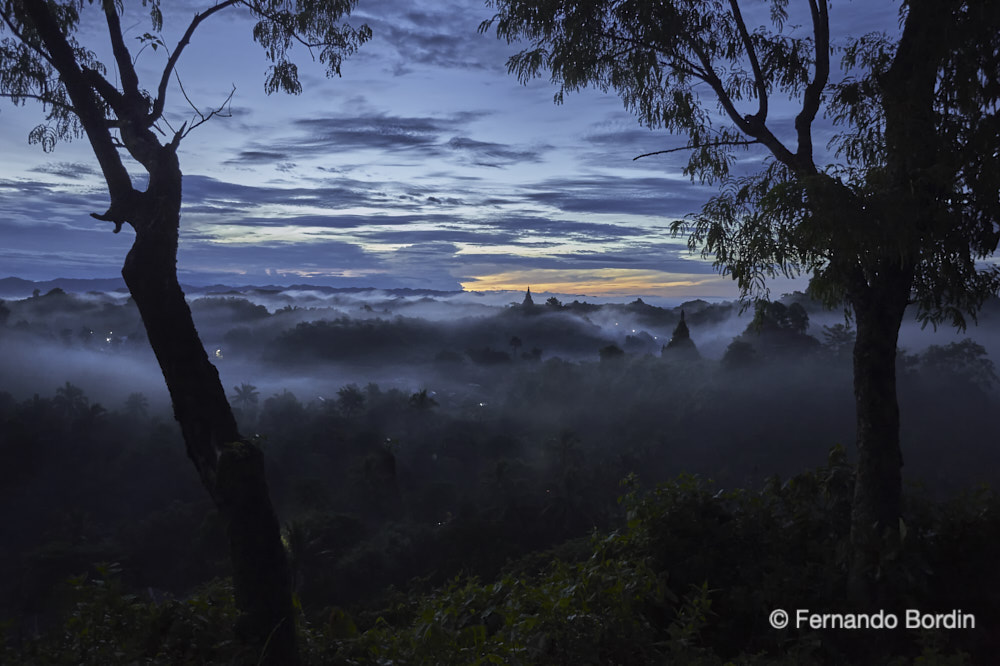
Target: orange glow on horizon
606,282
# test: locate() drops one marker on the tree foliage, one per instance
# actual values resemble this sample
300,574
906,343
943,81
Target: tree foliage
29,68
699,70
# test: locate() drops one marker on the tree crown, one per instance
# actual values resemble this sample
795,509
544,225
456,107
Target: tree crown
39,50
913,187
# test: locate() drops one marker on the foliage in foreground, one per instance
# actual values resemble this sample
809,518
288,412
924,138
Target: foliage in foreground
689,579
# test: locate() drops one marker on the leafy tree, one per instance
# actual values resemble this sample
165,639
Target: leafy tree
136,405
839,339
43,59
966,361
903,214
610,353
70,401
515,344
422,401
351,399
739,354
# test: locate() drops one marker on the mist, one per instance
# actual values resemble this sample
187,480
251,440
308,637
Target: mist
418,433
783,406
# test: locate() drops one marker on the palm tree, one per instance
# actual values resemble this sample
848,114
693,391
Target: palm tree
70,400
246,398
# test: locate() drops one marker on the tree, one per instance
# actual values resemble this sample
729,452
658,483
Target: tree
839,339
43,60
351,399
610,353
246,398
422,401
70,401
903,214
136,405
515,344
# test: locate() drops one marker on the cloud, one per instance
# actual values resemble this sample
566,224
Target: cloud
68,170
432,35
486,153
604,282
396,137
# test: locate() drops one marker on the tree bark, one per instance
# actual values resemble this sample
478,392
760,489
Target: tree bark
877,504
909,203
231,468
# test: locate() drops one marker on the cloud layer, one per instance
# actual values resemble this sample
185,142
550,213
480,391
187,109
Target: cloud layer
426,165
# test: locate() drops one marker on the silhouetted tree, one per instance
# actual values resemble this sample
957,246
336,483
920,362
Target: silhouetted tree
965,361
42,59
780,329
515,344
610,353
70,401
351,399
839,339
246,399
903,213
739,354
422,401
136,405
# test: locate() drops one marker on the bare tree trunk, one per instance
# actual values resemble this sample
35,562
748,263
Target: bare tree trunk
231,468
878,483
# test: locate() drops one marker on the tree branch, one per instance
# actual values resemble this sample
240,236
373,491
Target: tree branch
130,81
813,92
758,77
161,92
202,118
749,125
674,61
711,144
39,98
104,88
90,113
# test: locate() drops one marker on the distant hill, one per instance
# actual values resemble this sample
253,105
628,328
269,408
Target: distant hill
18,288
13,287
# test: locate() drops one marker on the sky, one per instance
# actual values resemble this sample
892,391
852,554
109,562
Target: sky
425,165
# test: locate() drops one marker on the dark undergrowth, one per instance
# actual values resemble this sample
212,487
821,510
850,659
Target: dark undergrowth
690,576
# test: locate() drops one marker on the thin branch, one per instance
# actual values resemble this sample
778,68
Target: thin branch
287,25
758,77
130,80
40,98
674,61
813,92
161,92
218,111
749,125
712,144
